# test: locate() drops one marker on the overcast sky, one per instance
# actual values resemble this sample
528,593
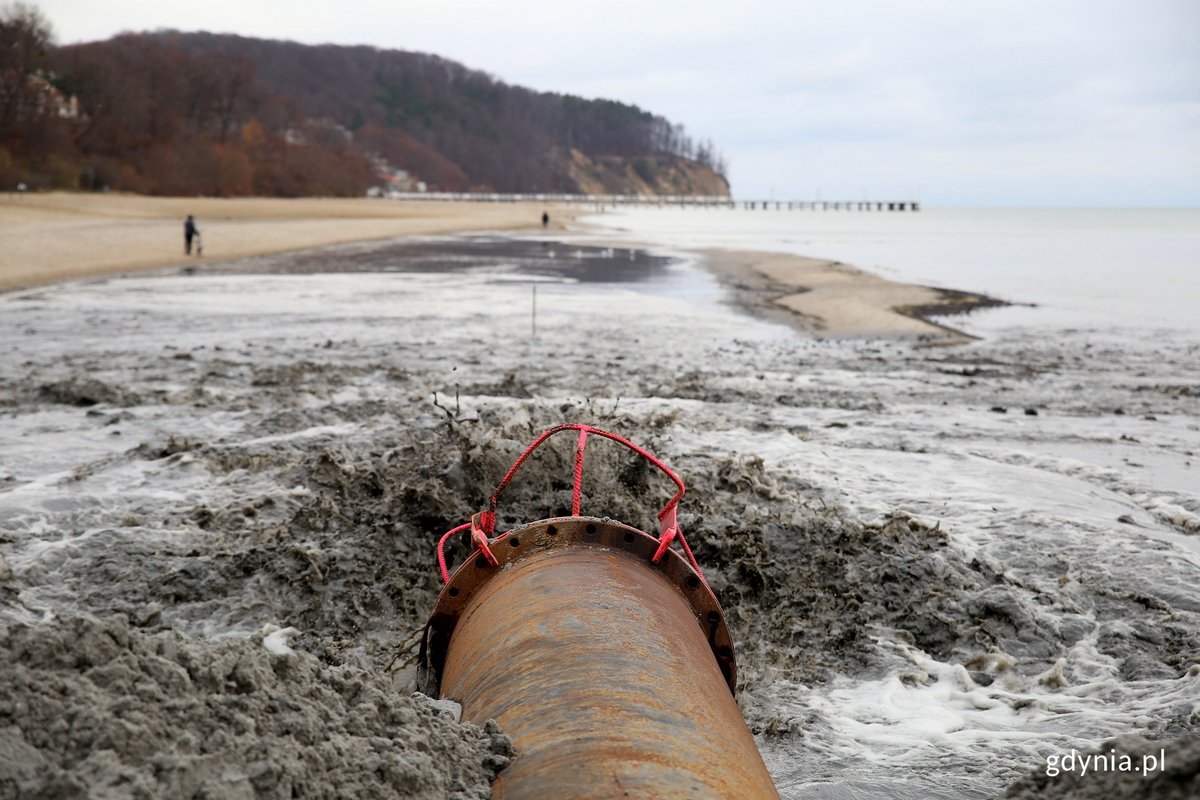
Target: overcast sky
1012,102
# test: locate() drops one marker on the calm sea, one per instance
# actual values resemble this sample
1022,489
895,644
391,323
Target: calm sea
1083,268
1096,478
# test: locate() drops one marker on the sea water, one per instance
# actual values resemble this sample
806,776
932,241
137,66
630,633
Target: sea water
1094,268
1106,310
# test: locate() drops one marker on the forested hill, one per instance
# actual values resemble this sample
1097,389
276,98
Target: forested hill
186,113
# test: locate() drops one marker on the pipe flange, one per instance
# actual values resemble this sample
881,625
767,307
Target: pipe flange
559,533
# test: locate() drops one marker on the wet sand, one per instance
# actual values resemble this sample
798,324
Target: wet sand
46,238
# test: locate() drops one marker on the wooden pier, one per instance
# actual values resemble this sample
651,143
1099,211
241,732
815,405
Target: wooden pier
601,202
830,205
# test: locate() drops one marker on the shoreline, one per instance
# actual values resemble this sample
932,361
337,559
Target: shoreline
53,237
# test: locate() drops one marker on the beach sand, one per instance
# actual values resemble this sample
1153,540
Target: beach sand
832,299
45,238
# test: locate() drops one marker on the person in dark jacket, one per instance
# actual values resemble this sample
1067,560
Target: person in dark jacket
190,231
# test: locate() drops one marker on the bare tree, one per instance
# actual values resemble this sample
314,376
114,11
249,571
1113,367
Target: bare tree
25,40
234,85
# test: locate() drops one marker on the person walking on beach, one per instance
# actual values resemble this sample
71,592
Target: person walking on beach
545,219
190,231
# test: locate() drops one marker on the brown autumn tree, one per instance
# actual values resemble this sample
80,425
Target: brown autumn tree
31,131
408,154
201,113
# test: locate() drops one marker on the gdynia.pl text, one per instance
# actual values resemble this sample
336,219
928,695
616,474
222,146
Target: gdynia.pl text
1083,763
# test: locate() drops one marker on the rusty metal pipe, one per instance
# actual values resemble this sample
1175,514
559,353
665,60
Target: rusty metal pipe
613,674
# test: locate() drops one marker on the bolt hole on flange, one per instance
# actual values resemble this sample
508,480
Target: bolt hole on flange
481,562
514,541
713,617
453,591
551,530
590,528
629,537
692,581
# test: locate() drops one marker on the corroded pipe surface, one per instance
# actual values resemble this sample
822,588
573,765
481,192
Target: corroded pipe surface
611,673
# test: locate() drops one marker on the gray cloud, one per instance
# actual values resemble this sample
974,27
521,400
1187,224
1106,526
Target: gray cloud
1015,102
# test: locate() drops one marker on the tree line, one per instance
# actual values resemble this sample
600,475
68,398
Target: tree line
214,114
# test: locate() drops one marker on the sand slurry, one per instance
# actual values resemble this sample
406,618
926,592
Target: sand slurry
106,709
183,467
1176,779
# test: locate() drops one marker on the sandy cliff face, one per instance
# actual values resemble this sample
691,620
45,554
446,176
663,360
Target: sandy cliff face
640,175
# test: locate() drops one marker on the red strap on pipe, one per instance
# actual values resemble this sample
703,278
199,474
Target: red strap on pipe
441,550
483,524
577,487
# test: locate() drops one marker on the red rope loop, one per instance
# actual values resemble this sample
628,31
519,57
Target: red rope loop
483,524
